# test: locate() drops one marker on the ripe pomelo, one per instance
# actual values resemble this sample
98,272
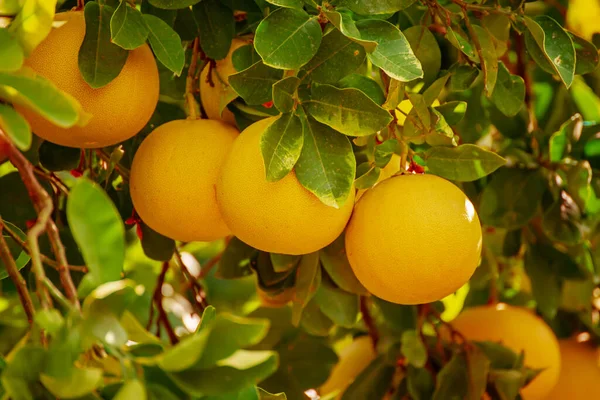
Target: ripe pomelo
413,239
579,372
119,110
520,330
173,178
278,217
212,96
354,358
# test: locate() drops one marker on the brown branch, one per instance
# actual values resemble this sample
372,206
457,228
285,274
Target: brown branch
364,310
16,277
124,172
63,265
59,184
197,290
523,72
190,83
157,298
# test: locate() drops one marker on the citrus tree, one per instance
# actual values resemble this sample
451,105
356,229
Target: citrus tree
299,199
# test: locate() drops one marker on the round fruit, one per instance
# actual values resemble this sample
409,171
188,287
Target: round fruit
119,110
579,372
413,239
354,358
519,330
211,96
278,217
173,178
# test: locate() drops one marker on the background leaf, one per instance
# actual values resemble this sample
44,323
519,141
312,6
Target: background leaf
216,28
463,163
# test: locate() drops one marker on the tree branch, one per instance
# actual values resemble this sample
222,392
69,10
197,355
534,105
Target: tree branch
364,310
16,277
157,298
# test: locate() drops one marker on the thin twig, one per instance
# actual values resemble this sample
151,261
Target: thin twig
59,184
364,310
157,298
16,277
190,83
197,290
58,296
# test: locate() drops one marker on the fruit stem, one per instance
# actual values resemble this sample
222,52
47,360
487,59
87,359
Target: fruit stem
403,156
369,322
192,104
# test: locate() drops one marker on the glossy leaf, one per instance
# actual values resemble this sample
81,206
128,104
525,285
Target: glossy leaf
100,234
156,246
216,27
337,57
348,111
288,38
452,111
489,63
296,4
173,4
100,60
368,7
509,92
127,27
335,261
426,49
341,307
235,261
166,44
15,127
281,145
463,78
326,166
366,85
255,84
308,278
367,175
284,93
33,23
11,52
344,23
393,53
463,163
586,55
560,141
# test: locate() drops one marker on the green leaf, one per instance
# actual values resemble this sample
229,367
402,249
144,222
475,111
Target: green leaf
545,283
19,376
344,23
340,306
348,111
284,262
453,111
507,382
50,320
280,145
509,92
367,175
55,157
19,255
372,383
185,354
308,278
489,63
579,185
33,23
287,38
15,127
264,395
242,369
78,383
560,141
420,383
464,163
337,57
393,53
366,85
458,39
559,220
39,94
100,60
463,78
314,321
166,44
478,366
235,261
244,57
369,7
556,46
99,234
127,27
216,28
426,49
335,262
155,245
133,389
11,52
586,55
395,95
255,84
452,379
284,93
173,4
384,152
326,166
586,99
413,348
512,198
297,4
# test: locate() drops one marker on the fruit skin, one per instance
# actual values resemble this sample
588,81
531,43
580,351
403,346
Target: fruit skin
579,373
413,239
119,110
173,178
210,96
354,358
520,330
278,217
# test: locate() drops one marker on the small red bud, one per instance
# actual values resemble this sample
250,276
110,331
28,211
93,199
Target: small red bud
268,104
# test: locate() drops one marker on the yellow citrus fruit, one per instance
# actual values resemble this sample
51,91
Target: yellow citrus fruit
579,372
405,107
386,172
119,110
212,96
520,330
583,17
413,239
173,178
354,358
278,217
